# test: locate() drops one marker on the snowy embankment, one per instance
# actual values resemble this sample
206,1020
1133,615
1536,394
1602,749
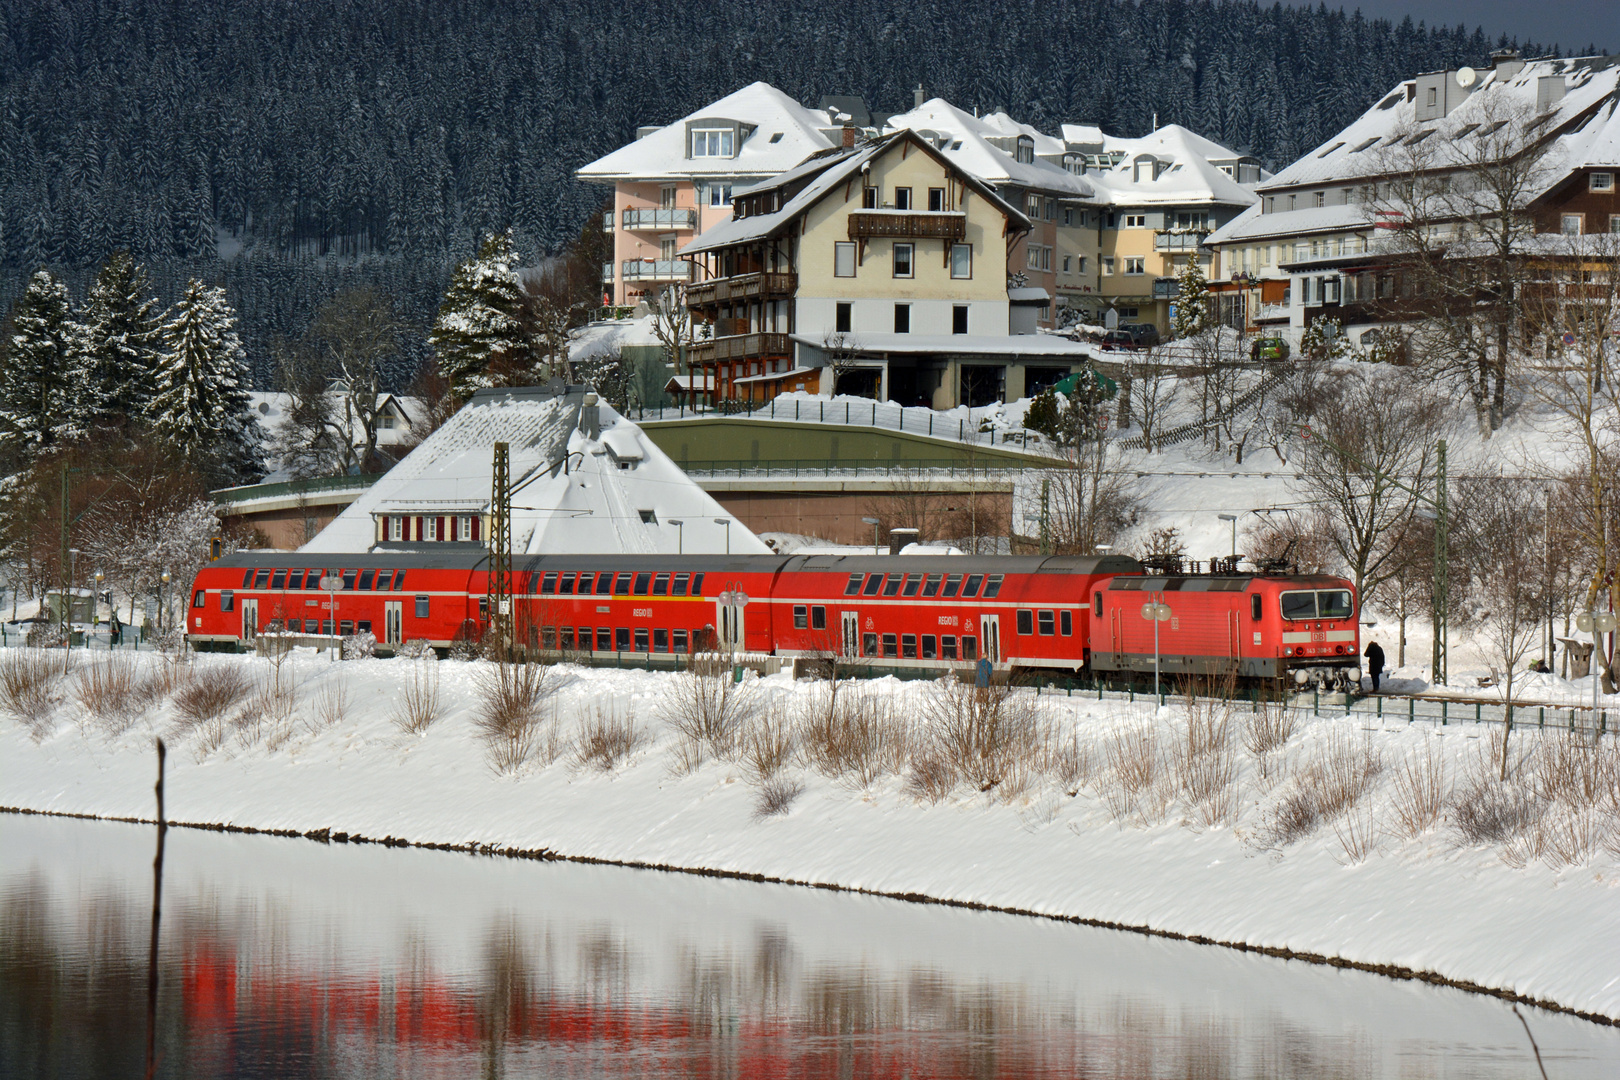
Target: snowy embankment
1381,847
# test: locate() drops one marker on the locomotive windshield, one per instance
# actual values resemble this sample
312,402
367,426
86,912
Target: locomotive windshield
1319,604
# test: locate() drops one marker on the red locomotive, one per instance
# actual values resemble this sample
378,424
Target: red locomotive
906,614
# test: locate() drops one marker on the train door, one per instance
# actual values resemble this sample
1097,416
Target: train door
393,622
732,627
250,621
852,633
990,635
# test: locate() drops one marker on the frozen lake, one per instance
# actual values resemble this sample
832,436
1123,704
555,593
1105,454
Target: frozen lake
291,958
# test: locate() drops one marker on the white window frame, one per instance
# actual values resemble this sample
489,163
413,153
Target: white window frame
1565,220
724,140
967,249
1136,221
902,198
1108,266
719,194
1601,181
841,249
910,251
1135,265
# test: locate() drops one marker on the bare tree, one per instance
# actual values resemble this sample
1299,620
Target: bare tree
1090,497
1147,392
672,325
841,352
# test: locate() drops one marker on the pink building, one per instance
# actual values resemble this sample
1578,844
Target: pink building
675,182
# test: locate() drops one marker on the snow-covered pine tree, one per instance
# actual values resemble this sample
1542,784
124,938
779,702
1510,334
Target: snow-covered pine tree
41,392
201,403
1192,305
479,324
117,341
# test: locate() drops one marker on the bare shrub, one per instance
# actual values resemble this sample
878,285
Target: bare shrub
108,689
989,736
1357,832
1266,735
1068,760
1204,760
930,777
776,796
1337,774
709,711
1135,764
511,707
1420,790
606,737
1569,835
1293,816
415,649
858,735
1569,769
1485,810
768,744
28,678
419,703
331,705
213,692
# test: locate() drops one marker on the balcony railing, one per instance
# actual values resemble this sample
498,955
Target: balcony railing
607,221
656,270
741,287
1166,288
741,347
650,217
907,224
1271,313
1179,240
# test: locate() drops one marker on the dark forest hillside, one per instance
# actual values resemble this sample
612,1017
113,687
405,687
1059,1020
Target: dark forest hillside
319,144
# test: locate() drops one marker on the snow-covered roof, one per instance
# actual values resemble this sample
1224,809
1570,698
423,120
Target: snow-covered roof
784,133
963,140
1252,225
572,491
1047,345
1185,174
603,337
1029,294
1082,134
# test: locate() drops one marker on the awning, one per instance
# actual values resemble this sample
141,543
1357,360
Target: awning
773,376
688,383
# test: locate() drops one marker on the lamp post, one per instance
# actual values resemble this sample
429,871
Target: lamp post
1233,519
874,522
95,607
1595,623
727,523
1156,612
73,589
332,583
163,603
680,535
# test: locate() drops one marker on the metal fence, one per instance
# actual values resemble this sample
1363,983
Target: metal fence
920,469
914,420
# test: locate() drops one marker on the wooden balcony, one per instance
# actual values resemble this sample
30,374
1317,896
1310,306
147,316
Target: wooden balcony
907,225
741,287
741,347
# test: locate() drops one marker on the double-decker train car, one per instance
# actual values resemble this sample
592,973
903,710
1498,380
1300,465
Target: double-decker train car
910,614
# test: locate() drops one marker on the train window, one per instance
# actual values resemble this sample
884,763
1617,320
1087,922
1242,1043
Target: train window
548,637
908,646
326,627
854,585
953,582
642,581
660,640
818,618
947,647
1299,605
347,626
348,580
227,601
295,580
928,646
992,585
548,583
278,580
1066,623
421,607
678,639
261,579
383,578
247,579
565,585
621,585
399,580
604,638
1046,622
366,578
891,646
200,600
621,639
1026,621
312,579
931,586
565,638
604,583
970,648
1254,607
1096,604
697,584
661,585
678,586
970,589
869,645
801,617
363,626
913,583
891,585
873,584
585,584
641,639
1334,604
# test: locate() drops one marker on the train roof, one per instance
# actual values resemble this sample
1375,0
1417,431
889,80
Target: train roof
1221,582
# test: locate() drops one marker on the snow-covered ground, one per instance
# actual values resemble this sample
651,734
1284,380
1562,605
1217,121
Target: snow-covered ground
1070,841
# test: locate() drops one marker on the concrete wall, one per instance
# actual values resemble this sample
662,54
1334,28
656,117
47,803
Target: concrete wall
941,513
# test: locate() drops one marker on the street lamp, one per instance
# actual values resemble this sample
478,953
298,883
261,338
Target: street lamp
874,522
163,604
680,535
73,588
1595,623
727,523
1156,612
1233,519
95,606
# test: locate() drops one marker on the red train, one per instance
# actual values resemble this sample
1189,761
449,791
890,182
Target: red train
906,614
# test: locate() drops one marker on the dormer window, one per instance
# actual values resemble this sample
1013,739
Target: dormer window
714,142
1026,150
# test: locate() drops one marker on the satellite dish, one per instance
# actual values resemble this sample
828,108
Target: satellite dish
1466,77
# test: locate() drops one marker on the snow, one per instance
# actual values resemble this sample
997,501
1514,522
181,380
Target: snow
571,492
1186,177
967,147
605,336
1051,345
1430,903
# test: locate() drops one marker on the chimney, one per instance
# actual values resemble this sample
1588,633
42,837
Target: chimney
590,418
849,135
917,97
1549,92
1506,64
899,538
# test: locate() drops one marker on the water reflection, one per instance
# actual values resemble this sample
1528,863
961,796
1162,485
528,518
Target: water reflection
286,959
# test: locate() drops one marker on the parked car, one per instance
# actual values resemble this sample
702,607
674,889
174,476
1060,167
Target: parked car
1121,340
1145,334
1268,348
